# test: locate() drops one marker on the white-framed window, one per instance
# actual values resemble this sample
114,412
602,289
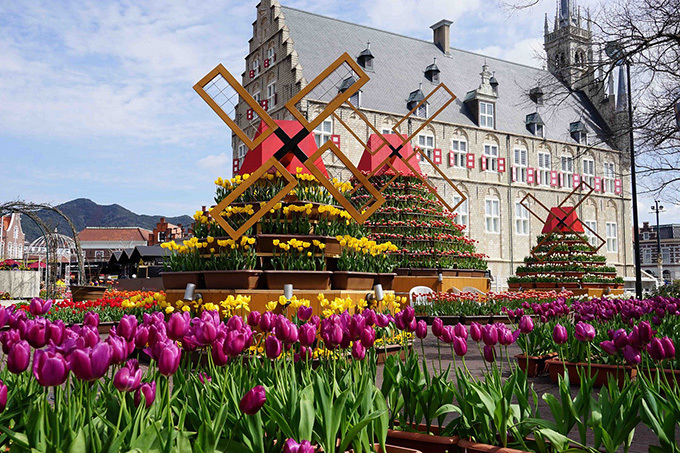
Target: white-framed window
666,255
612,237
540,131
521,219
459,149
462,211
426,144
16,232
387,131
270,55
608,185
589,172
493,215
491,156
590,233
323,132
256,96
645,235
544,168
520,163
355,99
271,95
486,114
567,171
256,66
421,112
99,254
241,151
647,256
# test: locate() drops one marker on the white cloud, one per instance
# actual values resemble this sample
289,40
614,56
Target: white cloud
215,162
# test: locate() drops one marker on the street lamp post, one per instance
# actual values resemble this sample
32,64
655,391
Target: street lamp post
659,259
614,50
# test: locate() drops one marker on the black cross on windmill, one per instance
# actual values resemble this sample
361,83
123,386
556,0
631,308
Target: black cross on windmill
562,219
420,107
216,89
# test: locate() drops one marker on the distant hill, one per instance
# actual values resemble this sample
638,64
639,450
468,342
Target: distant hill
86,213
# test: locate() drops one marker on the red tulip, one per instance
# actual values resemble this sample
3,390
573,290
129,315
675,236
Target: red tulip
253,401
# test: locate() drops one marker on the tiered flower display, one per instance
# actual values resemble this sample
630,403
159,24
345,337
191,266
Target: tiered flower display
425,233
564,261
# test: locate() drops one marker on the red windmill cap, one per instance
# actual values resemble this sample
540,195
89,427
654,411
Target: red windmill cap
563,220
370,160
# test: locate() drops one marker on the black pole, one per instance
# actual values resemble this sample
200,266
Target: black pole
636,223
658,238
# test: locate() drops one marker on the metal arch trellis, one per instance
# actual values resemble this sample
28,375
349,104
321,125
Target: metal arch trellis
30,210
212,89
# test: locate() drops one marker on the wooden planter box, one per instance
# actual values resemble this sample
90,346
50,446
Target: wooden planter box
514,286
359,281
598,370
467,446
265,242
434,272
316,280
180,280
241,279
534,365
430,443
83,293
386,280
392,349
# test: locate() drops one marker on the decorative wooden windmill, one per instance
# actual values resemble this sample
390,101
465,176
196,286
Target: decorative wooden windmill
215,89
562,219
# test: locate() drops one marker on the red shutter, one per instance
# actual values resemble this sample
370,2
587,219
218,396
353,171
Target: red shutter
336,140
437,156
530,175
236,166
249,114
617,187
598,184
266,63
483,163
274,57
252,73
470,160
501,165
553,179
276,98
452,158
513,172
265,104
577,180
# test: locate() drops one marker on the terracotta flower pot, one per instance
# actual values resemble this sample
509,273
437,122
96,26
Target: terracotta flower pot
316,280
427,442
180,280
385,280
241,279
533,365
346,280
600,371
468,446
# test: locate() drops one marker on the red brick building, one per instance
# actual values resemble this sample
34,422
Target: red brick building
164,232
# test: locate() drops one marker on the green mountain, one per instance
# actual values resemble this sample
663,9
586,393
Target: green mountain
86,213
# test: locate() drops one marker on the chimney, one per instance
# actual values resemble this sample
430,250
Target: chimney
162,220
441,35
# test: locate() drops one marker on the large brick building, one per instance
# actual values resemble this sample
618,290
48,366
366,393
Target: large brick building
669,240
12,237
505,135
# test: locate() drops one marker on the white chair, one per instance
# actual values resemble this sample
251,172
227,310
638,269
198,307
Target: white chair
473,290
418,295
453,290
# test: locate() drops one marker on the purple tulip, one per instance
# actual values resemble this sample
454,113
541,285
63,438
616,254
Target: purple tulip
655,349
282,328
272,347
148,391
235,323
620,338
127,326
358,350
368,336
18,357
49,368
91,319
168,359
609,347
36,332
631,355
217,352
505,336
584,332
489,353
56,332
459,346
437,327
253,401
293,447
668,347
421,329
409,314
646,332
128,378
3,396
120,350
559,334
460,331
203,377
381,320
476,331
234,343
141,337
526,324
490,334
91,364
448,334
267,321
307,334
254,318
5,313
369,316
178,325
39,307
304,313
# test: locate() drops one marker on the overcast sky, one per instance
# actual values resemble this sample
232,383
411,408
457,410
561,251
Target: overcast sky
96,97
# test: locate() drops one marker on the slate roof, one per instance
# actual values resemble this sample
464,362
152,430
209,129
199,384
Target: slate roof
113,234
398,69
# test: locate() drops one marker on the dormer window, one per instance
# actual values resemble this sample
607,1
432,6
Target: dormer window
414,98
535,125
432,72
578,132
355,99
365,58
536,95
486,114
